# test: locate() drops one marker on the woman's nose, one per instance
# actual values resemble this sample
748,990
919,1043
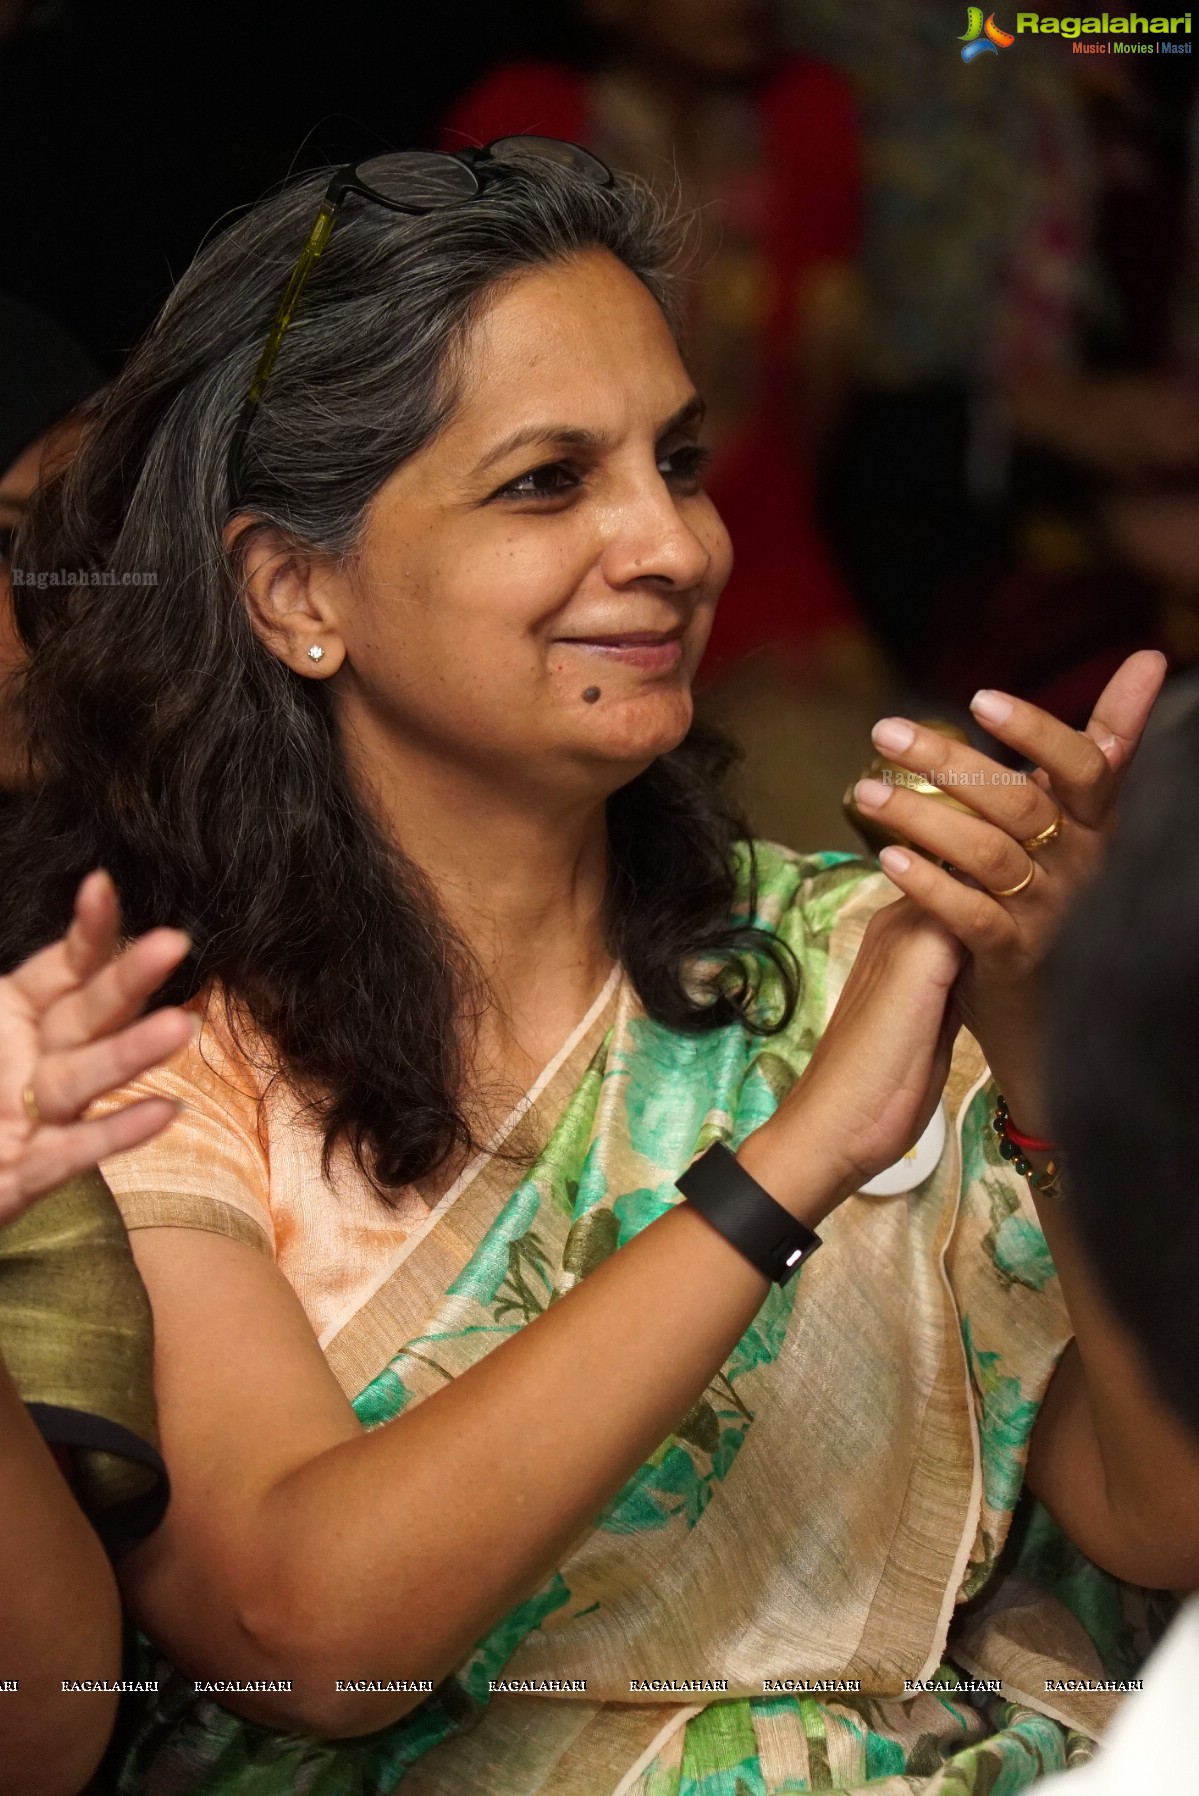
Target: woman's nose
650,539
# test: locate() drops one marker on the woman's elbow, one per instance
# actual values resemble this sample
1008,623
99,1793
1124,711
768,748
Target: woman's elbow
314,1701
314,1665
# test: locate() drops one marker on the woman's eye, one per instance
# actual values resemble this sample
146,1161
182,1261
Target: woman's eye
552,481
682,468
685,467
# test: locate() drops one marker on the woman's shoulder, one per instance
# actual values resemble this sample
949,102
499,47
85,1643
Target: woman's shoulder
210,1167
226,1069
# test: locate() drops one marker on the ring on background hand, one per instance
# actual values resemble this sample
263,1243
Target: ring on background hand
1012,890
31,1109
1044,837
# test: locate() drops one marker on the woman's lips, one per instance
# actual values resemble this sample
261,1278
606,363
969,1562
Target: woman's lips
651,651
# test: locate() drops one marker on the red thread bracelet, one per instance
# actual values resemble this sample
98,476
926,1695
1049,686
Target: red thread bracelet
1030,1143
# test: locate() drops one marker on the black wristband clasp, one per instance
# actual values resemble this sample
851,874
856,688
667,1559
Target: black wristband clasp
740,1209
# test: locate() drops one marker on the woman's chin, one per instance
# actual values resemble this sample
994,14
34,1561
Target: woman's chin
639,727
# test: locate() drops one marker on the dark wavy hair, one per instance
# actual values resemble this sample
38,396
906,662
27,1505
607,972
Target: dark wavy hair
173,749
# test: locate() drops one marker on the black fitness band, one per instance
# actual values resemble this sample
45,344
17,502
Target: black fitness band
740,1209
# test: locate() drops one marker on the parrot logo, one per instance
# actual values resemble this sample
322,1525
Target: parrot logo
981,38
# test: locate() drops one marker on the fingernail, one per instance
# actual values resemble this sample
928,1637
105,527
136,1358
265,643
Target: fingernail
1106,745
872,793
992,707
893,734
894,860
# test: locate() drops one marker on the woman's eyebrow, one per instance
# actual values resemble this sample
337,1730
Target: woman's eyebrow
572,436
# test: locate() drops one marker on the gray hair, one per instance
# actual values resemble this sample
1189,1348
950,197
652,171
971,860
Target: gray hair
176,751
371,366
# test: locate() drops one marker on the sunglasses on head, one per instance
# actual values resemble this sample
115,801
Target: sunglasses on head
414,181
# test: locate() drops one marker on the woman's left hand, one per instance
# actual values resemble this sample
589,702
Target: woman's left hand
1011,891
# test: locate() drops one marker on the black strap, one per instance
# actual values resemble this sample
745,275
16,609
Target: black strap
120,1525
725,1195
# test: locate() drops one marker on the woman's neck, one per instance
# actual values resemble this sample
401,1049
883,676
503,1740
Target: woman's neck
522,881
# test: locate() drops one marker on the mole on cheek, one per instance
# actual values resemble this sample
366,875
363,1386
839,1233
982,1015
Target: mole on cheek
590,695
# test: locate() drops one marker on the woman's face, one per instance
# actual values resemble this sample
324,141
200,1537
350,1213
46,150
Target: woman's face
554,541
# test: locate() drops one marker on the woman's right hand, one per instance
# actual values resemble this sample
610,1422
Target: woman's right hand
68,1035
877,1072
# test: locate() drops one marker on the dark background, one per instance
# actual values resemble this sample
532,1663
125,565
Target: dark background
131,129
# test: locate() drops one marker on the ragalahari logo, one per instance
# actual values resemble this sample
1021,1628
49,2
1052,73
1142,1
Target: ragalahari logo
983,38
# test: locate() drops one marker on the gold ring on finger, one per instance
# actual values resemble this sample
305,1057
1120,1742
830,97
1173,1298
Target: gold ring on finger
1011,891
31,1109
1044,837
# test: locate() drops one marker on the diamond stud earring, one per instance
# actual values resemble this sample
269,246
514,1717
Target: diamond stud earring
316,652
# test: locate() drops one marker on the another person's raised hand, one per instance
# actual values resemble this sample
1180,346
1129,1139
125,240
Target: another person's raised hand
1020,851
70,1030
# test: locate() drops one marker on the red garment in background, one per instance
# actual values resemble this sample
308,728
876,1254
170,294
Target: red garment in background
784,592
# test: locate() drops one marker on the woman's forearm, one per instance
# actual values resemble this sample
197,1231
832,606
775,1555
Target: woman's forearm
390,1554
60,1618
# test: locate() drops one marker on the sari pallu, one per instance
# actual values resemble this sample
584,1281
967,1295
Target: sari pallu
834,1509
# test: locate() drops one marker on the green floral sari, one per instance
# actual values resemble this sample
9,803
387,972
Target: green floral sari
835,1512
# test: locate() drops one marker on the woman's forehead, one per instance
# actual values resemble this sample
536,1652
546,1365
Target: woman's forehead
584,338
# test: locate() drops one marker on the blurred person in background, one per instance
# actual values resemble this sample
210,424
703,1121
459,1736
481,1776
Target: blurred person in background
762,146
1155,525
44,376
1123,1060
1022,245
81,1480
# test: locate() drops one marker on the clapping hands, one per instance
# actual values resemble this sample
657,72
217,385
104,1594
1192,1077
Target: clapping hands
71,1030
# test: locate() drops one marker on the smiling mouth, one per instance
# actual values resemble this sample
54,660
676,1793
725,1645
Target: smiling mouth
625,639
654,651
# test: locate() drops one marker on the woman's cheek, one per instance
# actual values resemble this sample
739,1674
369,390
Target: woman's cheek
720,549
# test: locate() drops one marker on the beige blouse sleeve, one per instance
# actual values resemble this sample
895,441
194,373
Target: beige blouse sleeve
209,1169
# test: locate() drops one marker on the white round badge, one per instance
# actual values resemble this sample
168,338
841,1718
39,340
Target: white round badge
915,1165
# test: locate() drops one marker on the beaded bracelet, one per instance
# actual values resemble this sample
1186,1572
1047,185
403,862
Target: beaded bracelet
1045,1184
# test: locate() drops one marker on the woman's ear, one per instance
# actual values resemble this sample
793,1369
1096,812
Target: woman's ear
291,594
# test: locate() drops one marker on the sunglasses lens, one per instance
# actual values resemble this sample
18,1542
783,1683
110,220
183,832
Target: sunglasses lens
552,149
419,178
